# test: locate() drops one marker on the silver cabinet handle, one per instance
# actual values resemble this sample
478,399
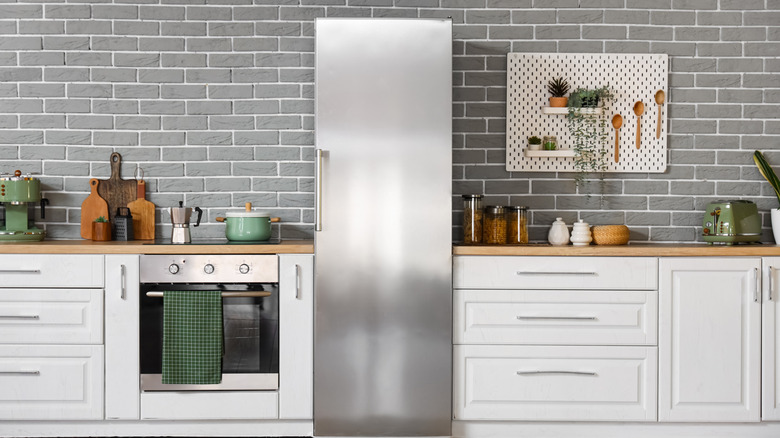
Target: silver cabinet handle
318,190
577,373
555,273
756,292
123,279
20,317
20,271
771,281
587,318
297,282
20,373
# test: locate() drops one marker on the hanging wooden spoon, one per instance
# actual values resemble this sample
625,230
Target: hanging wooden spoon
639,109
617,122
660,96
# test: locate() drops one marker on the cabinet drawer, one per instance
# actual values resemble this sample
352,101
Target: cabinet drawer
51,316
51,382
555,317
49,270
509,272
554,383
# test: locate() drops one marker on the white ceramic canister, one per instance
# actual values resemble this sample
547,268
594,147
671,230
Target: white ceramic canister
559,233
580,234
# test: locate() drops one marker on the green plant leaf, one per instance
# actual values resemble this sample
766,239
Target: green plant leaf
766,171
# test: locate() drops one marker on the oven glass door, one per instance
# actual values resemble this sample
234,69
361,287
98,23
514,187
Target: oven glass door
251,339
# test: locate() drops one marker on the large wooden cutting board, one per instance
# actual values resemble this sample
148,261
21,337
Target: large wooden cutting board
116,191
143,214
92,208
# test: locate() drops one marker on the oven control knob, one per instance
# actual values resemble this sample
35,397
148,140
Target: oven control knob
173,269
244,268
209,268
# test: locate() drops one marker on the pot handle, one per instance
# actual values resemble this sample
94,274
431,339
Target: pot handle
276,219
200,213
220,219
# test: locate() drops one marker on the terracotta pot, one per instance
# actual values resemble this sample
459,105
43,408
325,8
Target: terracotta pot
101,230
558,102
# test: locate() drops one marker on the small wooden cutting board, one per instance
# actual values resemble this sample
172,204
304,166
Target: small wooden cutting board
116,191
143,214
92,208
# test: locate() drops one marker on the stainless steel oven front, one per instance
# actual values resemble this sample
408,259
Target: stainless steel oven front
250,308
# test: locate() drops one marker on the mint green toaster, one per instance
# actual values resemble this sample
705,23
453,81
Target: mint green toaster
731,221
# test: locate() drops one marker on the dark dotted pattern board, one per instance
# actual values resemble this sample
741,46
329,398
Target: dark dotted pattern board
630,77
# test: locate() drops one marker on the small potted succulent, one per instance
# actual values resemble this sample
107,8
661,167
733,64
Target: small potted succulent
558,89
101,229
534,143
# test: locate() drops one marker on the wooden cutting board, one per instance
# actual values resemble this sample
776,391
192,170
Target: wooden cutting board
116,191
143,214
92,208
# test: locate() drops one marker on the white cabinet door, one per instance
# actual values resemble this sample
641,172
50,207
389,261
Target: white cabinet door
709,339
122,368
770,339
296,335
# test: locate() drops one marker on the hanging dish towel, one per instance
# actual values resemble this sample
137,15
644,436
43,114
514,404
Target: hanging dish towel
192,337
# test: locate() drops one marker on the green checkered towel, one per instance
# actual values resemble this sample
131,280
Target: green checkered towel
192,337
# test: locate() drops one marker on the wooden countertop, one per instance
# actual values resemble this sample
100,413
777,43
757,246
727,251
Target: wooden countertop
147,247
634,250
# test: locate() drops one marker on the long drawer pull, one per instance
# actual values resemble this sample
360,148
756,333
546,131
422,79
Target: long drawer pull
771,281
20,317
557,318
555,273
224,294
20,271
20,373
576,373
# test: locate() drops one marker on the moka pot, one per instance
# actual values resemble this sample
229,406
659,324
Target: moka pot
180,217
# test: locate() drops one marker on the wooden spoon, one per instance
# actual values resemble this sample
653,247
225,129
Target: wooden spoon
660,96
639,109
617,122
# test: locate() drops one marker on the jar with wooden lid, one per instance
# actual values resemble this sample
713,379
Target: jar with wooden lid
472,219
518,225
495,226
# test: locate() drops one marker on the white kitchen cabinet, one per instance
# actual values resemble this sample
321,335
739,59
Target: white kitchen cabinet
122,367
770,340
709,340
296,336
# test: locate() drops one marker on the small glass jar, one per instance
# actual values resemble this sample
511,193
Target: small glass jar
472,219
518,225
495,225
550,143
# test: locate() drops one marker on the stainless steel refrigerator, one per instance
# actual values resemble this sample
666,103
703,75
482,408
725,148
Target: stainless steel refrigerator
383,286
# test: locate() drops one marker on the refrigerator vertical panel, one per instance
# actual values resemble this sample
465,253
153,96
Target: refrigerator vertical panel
383,300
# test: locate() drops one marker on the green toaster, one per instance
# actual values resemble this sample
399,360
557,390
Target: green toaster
731,222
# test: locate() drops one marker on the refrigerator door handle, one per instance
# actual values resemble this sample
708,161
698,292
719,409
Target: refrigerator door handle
318,190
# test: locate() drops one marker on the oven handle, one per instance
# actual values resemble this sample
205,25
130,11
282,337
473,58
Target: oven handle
224,294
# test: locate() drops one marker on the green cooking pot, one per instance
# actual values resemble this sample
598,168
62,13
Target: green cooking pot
248,226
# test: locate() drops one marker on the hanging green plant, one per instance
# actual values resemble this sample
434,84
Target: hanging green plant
589,132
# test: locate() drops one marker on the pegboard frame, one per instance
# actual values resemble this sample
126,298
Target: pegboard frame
631,77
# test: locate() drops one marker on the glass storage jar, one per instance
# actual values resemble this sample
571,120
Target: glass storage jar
495,225
550,143
472,219
518,225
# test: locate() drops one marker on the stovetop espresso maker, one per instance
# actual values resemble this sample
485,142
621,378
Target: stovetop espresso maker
19,194
180,217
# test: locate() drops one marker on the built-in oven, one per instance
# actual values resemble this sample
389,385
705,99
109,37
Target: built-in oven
249,286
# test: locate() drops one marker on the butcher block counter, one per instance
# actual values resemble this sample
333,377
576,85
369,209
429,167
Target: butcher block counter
635,250
149,247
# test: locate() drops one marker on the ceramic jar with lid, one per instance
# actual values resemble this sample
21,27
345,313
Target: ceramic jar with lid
559,233
580,234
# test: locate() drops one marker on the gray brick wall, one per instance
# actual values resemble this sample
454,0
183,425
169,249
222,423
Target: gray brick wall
213,99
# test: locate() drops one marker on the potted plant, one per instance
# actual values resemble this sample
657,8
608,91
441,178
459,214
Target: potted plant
588,131
589,97
534,143
101,229
558,88
771,177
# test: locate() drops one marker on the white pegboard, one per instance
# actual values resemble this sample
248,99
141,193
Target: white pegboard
630,78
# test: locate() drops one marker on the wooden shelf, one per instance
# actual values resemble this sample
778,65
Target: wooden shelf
565,110
560,153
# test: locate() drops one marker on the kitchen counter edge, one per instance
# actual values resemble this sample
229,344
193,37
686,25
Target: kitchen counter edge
635,250
147,247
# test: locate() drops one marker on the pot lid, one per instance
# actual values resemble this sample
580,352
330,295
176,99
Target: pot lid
247,214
